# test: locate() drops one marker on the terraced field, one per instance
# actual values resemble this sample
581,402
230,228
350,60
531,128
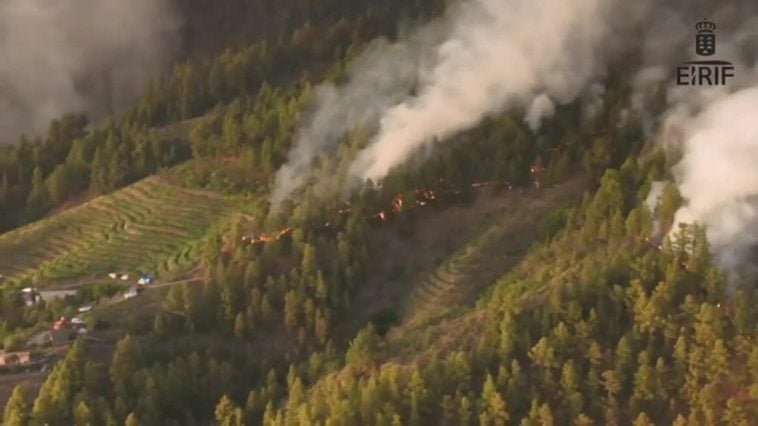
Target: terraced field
500,244
482,261
150,226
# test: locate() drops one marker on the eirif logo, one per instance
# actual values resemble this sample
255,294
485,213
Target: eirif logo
705,72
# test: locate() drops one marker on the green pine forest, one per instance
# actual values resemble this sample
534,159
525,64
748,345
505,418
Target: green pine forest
580,318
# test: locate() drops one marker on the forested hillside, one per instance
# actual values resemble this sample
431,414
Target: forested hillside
71,161
513,275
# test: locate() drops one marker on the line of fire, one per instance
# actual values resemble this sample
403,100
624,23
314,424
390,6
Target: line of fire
423,197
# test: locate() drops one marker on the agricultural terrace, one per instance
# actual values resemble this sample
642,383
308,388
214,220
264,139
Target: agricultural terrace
152,226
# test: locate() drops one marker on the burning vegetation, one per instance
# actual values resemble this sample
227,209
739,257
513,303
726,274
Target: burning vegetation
421,197
536,172
267,238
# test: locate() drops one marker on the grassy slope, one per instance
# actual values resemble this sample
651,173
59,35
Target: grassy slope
150,226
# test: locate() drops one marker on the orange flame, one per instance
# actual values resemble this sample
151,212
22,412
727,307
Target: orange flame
397,203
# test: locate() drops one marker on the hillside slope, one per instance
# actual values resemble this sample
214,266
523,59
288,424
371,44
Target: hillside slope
150,226
419,273
596,327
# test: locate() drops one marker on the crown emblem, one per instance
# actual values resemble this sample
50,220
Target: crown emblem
705,40
705,26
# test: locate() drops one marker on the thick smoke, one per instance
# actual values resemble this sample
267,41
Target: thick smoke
493,55
715,130
72,56
718,176
534,55
499,54
381,77
542,107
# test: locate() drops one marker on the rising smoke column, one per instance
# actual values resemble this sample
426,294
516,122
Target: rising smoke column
496,55
492,55
718,176
499,54
381,77
72,56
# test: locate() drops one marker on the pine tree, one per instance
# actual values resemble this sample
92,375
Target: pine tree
494,410
127,359
291,310
583,420
543,354
240,326
99,180
643,420
546,415
464,411
364,348
38,201
16,409
83,415
321,327
308,265
228,413
572,398
735,414
58,184
131,420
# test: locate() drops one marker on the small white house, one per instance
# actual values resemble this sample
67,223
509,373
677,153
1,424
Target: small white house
113,275
124,277
85,309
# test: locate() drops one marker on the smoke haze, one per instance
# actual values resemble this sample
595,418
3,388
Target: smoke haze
718,176
380,78
492,60
486,56
534,55
72,56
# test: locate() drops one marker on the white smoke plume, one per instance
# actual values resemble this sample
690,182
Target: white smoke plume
499,54
718,176
542,107
534,55
493,55
382,76
652,201
593,101
715,130
73,56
